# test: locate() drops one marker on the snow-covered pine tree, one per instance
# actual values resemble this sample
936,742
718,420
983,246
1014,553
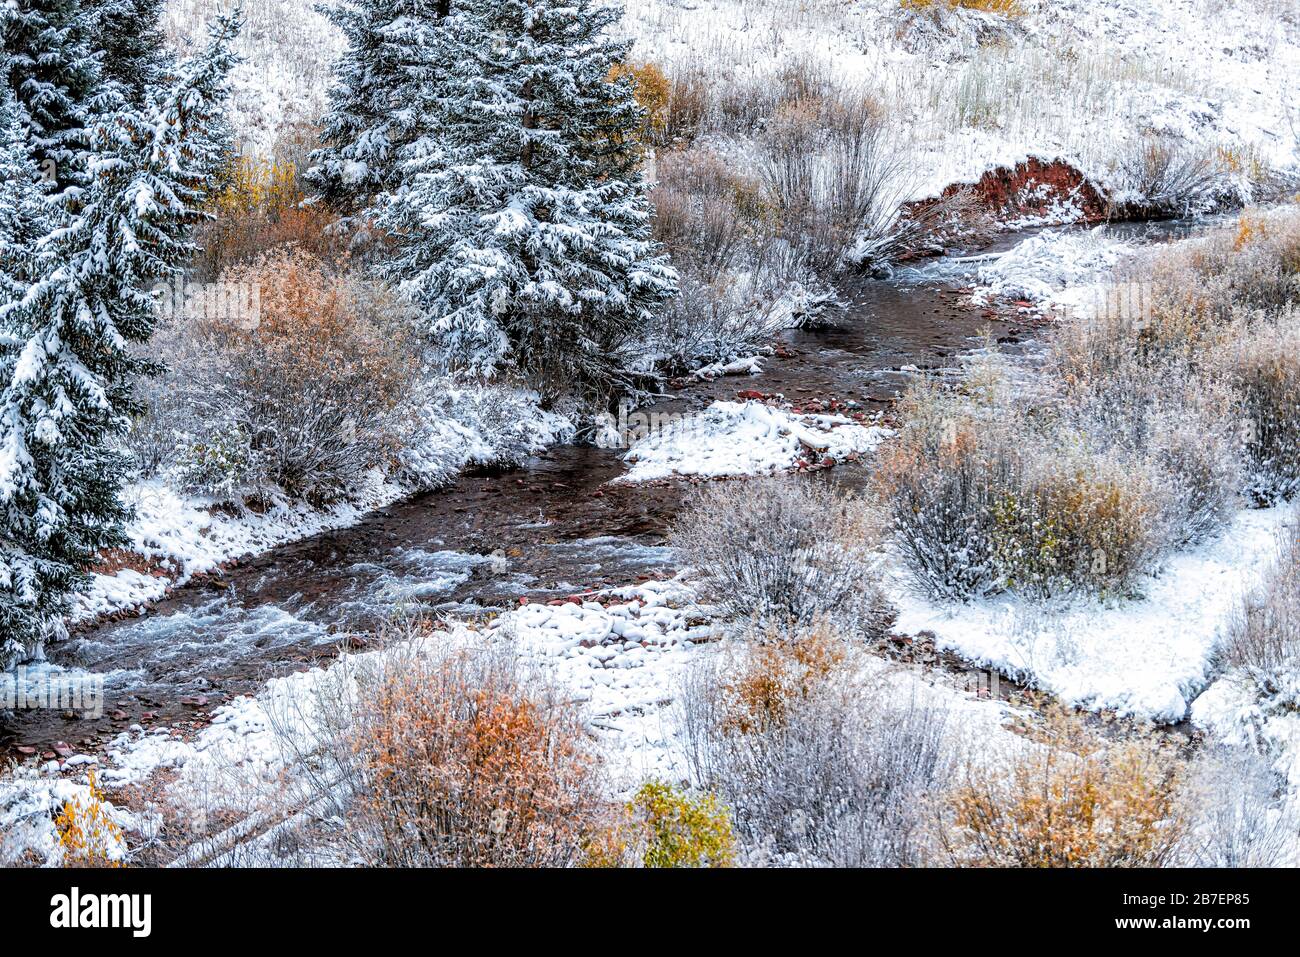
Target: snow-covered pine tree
394,50
54,73
23,214
69,361
521,223
135,54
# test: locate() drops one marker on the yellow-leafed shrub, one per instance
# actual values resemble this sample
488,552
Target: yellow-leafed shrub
653,92
87,835
261,207
1007,8
258,185
682,831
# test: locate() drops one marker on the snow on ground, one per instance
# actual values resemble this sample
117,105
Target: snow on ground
622,658
1050,269
1075,79
1147,657
745,438
1044,266
1231,709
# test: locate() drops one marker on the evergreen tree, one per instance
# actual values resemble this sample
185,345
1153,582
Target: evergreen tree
521,222
393,48
54,73
22,203
70,358
135,55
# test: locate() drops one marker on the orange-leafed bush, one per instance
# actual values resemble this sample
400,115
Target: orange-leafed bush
1073,801
463,761
87,835
302,393
776,674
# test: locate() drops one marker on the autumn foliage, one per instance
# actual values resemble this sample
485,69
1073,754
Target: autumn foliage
87,835
466,763
1074,800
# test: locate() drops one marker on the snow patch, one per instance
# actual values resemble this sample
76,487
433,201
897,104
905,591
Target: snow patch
746,438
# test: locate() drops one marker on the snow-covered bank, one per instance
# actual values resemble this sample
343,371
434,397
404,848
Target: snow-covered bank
181,535
747,438
1148,657
622,657
1232,711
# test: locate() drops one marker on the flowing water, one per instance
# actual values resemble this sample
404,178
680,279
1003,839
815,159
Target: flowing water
549,529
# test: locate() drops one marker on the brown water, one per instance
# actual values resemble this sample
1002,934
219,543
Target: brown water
555,526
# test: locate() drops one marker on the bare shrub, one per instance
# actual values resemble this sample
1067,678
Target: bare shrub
1263,639
840,775
835,173
783,551
711,321
689,102
453,756
941,480
1159,409
775,675
707,213
304,399
923,227
719,228
1238,817
742,106
1072,801
1262,364
1160,176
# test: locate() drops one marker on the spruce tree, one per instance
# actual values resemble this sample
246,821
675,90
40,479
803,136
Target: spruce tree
394,46
22,201
71,353
521,222
54,73
134,52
